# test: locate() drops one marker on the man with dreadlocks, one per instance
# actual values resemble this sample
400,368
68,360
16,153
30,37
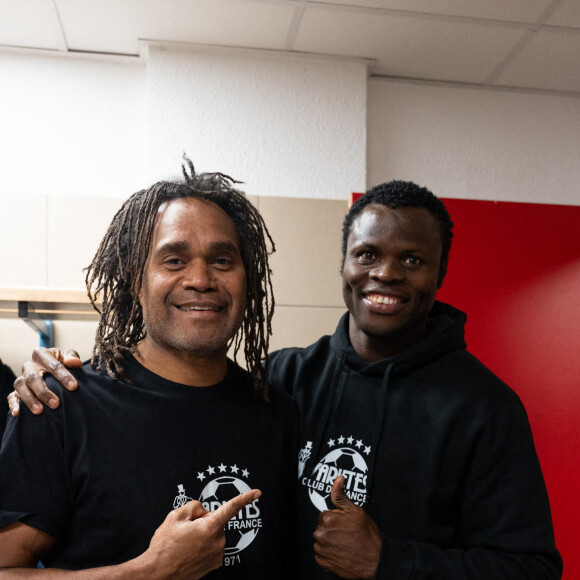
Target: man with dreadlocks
415,461
163,415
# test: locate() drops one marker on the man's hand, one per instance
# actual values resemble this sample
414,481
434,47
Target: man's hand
190,542
30,386
348,542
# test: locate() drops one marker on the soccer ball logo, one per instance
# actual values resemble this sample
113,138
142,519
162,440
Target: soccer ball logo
341,461
242,528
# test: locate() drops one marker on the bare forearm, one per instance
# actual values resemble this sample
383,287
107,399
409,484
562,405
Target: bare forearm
138,569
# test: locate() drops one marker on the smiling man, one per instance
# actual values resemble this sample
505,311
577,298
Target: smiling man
415,460
161,415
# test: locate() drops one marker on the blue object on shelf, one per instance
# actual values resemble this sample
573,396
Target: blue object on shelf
42,326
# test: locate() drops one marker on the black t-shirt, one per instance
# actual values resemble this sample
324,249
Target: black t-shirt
101,473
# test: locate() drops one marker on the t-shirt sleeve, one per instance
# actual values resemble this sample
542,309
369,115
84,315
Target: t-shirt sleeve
34,484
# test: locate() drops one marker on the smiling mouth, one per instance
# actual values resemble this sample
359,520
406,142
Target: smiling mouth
379,299
199,308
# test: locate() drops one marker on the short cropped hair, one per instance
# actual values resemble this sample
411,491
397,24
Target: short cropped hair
396,194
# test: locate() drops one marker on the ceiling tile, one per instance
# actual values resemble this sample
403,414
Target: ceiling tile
549,61
511,10
29,23
421,48
567,14
115,26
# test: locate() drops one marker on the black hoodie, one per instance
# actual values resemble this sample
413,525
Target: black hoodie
436,448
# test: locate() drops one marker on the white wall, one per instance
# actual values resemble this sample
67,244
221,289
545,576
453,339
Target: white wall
71,126
287,125
473,143
292,126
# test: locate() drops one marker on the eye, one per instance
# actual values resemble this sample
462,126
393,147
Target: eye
173,263
222,262
367,256
412,261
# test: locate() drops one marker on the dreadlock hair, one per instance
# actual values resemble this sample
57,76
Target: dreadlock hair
115,274
396,194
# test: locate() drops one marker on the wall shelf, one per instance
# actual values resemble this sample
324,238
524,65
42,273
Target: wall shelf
39,307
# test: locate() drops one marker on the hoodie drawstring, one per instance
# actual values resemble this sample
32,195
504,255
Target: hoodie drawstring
325,419
379,425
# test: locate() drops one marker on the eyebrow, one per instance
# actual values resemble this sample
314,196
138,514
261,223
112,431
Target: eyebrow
224,247
183,246
408,249
172,247
363,244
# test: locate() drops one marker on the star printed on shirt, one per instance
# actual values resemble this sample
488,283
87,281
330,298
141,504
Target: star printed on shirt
243,471
351,441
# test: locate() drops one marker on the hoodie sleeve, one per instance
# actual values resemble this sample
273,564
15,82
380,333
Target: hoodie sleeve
505,528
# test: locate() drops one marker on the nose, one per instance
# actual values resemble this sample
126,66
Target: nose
198,276
388,270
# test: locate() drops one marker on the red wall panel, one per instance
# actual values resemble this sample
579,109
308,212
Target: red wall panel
515,270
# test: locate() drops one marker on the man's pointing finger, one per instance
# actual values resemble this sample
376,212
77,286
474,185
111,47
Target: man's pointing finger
229,509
